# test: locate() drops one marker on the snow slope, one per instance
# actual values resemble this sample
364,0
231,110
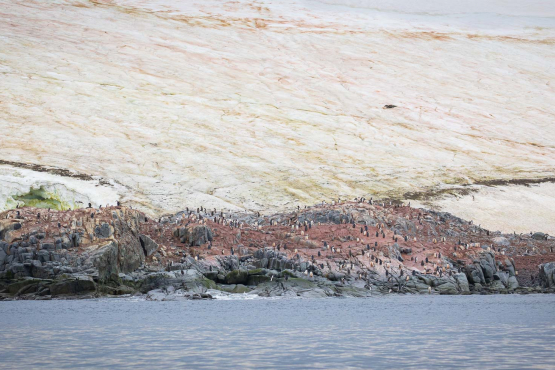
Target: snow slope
259,104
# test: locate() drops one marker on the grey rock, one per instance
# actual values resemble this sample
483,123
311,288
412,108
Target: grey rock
448,287
462,282
103,231
547,274
497,285
501,241
3,257
106,261
237,277
149,246
200,235
47,246
512,282
474,274
71,287
43,256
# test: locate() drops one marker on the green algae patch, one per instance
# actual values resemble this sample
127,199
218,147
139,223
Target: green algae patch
42,198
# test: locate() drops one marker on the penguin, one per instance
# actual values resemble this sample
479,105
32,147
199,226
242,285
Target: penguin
429,290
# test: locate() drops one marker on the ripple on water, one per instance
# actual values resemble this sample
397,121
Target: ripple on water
388,332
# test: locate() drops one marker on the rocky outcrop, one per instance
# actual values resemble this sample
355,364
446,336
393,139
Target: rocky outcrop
78,286
194,235
364,249
106,260
6,228
483,272
149,246
393,252
547,274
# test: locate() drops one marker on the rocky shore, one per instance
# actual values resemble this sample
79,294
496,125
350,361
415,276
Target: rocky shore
354,248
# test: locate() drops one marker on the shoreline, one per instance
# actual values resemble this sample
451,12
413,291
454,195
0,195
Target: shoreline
358,248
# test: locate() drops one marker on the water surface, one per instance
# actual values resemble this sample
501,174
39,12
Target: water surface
408,332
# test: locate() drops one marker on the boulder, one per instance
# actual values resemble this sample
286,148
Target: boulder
487,263
200,235
240,288
75,240
462,282
512,282
510,266
237,277
7,226
18,285
257,279
117,256
105,259
72,287
547,274
405,250
103,231
149,246
539,236
448,287
130,253
497,285
194,236
474,273
393,252
405,226
501,241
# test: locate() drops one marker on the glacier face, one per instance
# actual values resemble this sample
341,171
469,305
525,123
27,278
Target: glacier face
259,104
